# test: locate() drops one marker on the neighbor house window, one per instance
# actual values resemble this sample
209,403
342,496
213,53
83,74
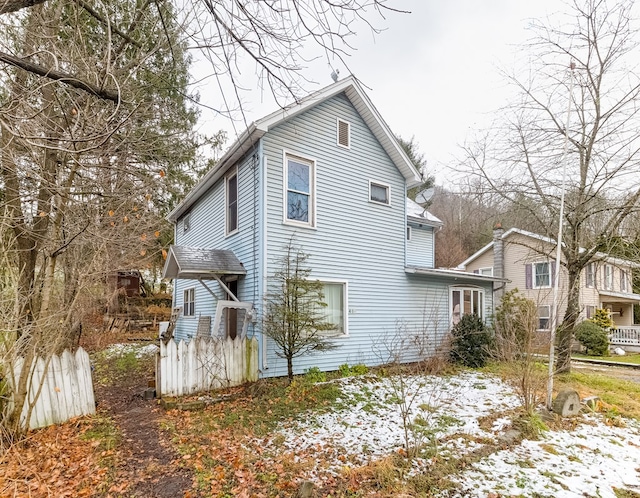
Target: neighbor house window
544,317
408,233
487,272
344,133
335,297
541,275
608,277
466,301
624,280
591,311
300,190
591,275
379,192
189,302
232,202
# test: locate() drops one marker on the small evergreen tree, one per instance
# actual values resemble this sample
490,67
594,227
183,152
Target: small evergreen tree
602,318
294,317
471,342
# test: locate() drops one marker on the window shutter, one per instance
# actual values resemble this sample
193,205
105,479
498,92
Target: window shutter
343,133
528,276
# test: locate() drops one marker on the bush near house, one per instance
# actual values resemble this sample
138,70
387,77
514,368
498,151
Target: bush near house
592,337
471,342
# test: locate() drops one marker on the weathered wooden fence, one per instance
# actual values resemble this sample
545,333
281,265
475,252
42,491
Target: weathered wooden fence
58,391
205,363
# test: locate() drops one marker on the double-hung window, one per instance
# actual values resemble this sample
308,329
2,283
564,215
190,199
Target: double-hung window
300,190
541,275
590,279
465,301
608,277
232,202
624,281
189,302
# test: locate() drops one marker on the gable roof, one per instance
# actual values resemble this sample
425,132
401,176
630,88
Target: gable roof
548,240
354,92
198,263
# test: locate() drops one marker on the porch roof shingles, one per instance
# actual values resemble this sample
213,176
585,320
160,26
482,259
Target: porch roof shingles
199,263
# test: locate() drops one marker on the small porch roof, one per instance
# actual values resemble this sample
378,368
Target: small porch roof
201,264
453,274
619,297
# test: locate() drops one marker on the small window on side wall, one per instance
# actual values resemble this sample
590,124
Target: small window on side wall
344,134
189,302
232,202
186,223
379,193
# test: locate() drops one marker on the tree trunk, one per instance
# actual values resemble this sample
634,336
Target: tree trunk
565,330
290,368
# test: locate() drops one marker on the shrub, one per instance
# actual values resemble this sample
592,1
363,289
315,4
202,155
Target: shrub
315,375
592,337
471,342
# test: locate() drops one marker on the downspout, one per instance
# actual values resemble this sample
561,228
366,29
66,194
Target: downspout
262,274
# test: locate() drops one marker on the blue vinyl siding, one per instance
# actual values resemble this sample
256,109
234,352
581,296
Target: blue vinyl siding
420,249
208,230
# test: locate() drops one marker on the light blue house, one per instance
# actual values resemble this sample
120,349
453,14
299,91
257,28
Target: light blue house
329,171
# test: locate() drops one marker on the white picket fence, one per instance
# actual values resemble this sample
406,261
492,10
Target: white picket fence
205,363
58,391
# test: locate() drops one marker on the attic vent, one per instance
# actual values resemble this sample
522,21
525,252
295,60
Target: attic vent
344,132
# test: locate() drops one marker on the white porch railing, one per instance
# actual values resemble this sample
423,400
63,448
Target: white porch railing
621,336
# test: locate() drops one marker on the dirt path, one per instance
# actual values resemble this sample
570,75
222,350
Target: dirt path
147,466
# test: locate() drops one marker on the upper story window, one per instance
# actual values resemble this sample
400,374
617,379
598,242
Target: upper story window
344,133
608,277
300,190
541,275
186,223
624,280
590,275
189,302
380,193
231,182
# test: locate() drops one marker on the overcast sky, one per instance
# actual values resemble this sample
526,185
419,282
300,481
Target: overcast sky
432,74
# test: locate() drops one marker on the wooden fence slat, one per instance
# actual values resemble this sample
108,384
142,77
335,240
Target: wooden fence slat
205,363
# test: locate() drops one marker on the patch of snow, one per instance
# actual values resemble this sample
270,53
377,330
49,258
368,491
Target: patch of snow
588,461
140,351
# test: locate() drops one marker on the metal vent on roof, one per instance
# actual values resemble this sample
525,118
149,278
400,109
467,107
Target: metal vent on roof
343,133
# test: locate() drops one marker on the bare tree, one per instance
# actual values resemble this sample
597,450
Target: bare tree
587,56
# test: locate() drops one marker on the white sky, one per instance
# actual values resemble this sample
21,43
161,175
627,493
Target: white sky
432,74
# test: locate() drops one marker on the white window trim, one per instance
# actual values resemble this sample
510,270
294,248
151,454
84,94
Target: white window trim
186,223
456,288
624,280
533,275
345,298
548,317
380,184
285,188
338,121
230,174
490,268
608,280
184,303
593,276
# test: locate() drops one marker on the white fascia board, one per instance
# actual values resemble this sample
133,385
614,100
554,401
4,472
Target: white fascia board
239,148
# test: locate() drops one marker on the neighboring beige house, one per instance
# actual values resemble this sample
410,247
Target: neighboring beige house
527,261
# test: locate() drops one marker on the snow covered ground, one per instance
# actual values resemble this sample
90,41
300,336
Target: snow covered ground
463,413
